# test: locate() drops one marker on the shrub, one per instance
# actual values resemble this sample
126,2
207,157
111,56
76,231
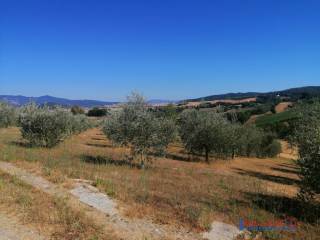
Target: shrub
242,116
46,127
272,149
97,112
8,115
77,110
136,127
79,123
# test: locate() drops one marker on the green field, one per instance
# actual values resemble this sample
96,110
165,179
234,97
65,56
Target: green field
276,118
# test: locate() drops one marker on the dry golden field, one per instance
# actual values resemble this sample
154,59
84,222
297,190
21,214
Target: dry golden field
178,189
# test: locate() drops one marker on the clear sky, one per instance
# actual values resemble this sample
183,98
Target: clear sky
168,49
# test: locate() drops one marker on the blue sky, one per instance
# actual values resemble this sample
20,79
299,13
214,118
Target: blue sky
165,49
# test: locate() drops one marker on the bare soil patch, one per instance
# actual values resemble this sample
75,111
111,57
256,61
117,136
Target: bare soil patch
281,107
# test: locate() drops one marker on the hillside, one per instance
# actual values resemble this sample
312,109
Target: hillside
22,100
19,100
293,93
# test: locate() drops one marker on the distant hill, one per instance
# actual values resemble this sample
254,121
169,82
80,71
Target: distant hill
160,102
22,100
295,93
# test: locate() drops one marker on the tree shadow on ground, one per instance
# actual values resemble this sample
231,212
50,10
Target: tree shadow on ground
191,158
98,145
267,177
284,206
178,157
103,160
285,170
288,165
21,144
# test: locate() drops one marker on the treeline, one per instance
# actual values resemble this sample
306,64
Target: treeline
212,133
206,133
94,112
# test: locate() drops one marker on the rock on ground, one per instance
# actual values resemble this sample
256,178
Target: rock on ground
222,231
92,197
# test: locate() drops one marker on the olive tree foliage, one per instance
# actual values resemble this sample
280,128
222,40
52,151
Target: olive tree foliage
8,115
307,139
136,127
254,142
45,127
203,132
211,133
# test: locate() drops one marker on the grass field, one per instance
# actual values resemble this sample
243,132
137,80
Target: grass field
177,190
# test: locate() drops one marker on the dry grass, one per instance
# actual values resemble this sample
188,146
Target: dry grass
175,190
52,217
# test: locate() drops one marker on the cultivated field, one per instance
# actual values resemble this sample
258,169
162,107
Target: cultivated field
178,190
230,101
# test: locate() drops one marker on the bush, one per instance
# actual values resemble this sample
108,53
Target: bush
79,123
8,115
46,127
97,112
139,129
273,149
77,110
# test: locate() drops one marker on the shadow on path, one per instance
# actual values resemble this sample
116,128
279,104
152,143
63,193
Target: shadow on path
101,160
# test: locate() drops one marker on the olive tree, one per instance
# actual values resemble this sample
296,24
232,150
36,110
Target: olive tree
255,142
209,132
46,127
204,132
307,139
8,115
136,127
